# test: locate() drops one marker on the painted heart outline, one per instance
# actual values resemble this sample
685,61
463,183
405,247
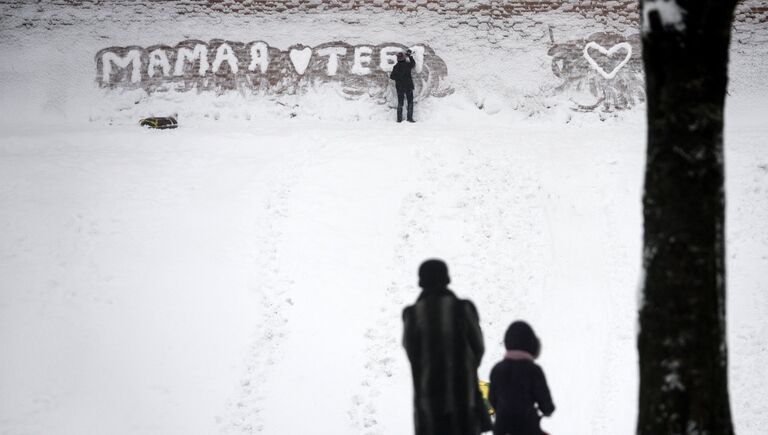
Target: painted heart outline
300,58
608,52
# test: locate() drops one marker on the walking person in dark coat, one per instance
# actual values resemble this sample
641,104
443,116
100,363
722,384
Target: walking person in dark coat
401,74
444,344
519,390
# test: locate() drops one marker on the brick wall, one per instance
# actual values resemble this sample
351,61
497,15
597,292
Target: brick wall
601,10
605,11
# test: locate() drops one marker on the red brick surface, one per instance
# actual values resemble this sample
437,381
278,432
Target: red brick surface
607,11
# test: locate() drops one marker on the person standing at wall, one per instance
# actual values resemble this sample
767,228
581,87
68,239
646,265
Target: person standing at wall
444,343
401,74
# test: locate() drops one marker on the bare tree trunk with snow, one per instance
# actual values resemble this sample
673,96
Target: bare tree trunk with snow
682,342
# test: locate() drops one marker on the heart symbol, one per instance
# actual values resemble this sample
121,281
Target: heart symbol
608,52
300,58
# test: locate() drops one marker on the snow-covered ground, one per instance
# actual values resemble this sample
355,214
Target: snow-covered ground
227,277
247,274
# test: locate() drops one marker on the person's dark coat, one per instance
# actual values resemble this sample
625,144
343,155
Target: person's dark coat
401,74
444,343
518,389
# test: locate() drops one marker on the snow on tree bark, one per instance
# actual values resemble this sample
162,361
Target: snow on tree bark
682,343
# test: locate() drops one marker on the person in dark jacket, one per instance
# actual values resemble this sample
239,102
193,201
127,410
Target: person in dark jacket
518,390
401,74
444,343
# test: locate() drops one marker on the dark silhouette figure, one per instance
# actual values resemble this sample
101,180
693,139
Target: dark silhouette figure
444,345
518,389
401,74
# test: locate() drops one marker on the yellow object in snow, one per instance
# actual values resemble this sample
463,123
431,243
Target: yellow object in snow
161,122
484,388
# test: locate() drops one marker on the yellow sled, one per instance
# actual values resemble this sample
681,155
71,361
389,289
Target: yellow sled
159,122
484,387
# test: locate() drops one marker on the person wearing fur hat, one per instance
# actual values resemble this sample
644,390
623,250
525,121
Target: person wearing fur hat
518,390
444,343
401,74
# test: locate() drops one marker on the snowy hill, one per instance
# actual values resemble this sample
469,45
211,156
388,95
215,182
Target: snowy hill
246,272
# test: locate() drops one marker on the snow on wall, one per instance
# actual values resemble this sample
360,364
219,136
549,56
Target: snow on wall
257,68
514,56
474,12
608,65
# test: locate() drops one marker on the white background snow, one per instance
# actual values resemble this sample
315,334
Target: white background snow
246,272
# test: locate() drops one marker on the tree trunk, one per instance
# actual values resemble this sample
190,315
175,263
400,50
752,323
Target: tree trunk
682,342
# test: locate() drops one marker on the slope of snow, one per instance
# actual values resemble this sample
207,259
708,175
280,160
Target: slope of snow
230,278
246,272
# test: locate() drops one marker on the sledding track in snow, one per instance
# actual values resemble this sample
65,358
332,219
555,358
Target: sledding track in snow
273,290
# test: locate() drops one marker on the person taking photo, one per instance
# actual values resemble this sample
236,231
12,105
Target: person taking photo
401,74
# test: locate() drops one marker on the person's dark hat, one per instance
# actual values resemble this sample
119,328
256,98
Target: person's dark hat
401,56
433,273
520,336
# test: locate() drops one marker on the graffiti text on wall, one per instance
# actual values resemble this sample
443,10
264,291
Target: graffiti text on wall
606,65
255,67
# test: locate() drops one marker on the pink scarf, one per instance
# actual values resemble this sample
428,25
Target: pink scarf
518,355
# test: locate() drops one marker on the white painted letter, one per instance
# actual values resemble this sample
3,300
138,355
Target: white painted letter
418,56
333,54
200,51
362,60
388,58
132,58
224,52
259,57
158,58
